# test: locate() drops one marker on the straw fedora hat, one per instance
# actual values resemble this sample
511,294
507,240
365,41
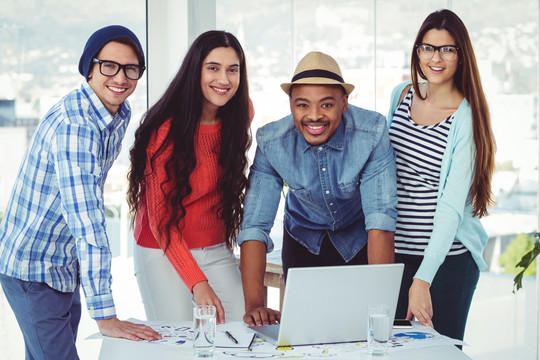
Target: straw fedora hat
317,68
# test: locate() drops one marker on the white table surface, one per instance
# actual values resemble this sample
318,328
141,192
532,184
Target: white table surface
133,351
125,349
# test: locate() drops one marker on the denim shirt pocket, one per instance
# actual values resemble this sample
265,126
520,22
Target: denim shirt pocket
350,189
303,196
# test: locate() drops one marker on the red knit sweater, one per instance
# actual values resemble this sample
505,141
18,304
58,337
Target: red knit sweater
200,226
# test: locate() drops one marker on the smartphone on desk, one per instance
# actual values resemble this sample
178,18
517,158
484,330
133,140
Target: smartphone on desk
402,324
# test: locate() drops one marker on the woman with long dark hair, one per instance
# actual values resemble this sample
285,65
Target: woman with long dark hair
187,182
441,132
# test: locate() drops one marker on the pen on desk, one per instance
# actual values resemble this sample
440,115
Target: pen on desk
229,335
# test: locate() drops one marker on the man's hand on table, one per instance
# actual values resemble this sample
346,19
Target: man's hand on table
261,315
126,330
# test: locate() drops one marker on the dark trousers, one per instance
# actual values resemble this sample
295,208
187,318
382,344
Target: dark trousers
294,254
451,291
48,318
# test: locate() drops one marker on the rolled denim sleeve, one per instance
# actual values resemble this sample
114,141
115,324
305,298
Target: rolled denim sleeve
378,184
261,202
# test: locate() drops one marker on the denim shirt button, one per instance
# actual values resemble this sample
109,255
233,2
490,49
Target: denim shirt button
331,204
323,169
320,148
328,192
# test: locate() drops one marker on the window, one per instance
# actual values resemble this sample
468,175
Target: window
372,40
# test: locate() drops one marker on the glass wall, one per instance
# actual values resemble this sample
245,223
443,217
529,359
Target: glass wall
41,42
372,41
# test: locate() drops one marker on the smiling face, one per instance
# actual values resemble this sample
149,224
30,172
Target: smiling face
220,77
317,111
437,70
113,90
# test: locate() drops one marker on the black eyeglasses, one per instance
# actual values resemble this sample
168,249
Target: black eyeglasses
111,68
447,52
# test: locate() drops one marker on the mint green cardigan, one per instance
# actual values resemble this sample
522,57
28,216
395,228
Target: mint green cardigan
453,216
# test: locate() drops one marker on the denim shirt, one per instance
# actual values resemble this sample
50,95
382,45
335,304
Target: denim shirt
341,188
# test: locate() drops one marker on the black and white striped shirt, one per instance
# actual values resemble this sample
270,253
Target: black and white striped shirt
419,151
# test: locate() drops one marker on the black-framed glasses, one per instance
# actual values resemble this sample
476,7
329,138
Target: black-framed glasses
111,68
447,52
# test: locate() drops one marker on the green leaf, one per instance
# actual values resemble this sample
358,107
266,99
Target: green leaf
525,262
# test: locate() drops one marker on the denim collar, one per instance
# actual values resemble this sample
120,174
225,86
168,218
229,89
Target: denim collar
336,142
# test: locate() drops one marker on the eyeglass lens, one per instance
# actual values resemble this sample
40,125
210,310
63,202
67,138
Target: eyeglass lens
110,68
446,52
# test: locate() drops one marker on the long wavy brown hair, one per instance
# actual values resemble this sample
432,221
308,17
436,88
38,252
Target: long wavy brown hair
467,80
182,101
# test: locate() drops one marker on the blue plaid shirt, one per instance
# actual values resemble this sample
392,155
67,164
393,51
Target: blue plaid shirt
54,225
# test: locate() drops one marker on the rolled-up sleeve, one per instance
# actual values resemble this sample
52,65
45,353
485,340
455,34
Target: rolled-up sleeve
261,202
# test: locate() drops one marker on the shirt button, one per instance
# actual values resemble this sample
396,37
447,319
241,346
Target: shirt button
323,169
331,204
335,212
320,148
328,192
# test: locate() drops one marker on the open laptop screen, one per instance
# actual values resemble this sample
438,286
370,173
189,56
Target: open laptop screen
329,304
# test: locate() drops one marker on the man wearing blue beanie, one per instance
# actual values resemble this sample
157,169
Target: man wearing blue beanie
53,238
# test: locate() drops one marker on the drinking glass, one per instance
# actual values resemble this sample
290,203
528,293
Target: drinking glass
204,330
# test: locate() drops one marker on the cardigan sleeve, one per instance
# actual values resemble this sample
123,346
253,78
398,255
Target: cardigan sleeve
157,186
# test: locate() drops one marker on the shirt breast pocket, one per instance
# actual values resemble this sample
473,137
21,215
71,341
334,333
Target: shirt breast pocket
303,195
350,189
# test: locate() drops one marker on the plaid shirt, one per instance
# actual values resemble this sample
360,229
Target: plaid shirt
54,225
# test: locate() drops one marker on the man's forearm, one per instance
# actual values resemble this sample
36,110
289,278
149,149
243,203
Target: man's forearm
380,247
252,267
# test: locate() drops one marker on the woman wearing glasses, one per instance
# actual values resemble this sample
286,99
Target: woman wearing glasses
441,133
186,184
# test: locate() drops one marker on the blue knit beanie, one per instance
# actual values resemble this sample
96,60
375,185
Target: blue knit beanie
99,39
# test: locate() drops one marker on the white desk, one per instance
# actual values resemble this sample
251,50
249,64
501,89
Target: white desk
125,349
111,349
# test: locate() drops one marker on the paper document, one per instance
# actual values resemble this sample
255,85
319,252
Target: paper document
182,334
244,339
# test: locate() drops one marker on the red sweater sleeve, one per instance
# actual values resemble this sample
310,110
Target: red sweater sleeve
178,251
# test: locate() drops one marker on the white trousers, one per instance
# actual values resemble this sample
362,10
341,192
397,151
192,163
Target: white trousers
165,296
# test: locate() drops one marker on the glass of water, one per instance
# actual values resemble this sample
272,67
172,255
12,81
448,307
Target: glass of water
378,329
204,330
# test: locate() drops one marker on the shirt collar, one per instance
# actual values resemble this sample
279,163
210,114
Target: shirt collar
108,120
336,142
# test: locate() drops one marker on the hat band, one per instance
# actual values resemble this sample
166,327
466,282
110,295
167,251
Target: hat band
317,73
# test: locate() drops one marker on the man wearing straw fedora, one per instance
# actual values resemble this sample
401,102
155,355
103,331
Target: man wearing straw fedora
339,166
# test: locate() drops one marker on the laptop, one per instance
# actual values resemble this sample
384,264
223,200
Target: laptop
328,304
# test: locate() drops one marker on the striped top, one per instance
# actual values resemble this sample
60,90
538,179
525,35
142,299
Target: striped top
54,226
419,151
